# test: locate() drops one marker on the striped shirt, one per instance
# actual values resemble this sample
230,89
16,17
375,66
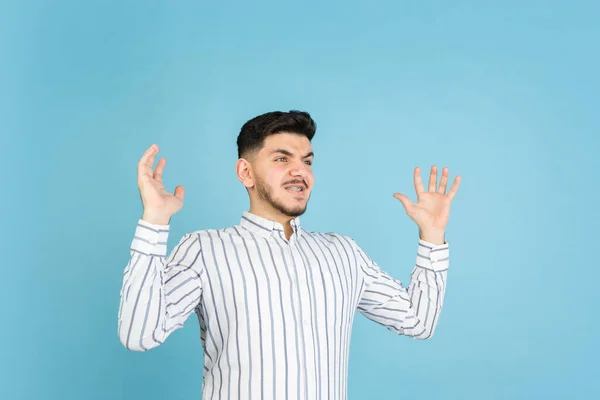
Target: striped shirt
275,314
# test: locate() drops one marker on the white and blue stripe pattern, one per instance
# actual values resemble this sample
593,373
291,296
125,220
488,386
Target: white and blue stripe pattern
275,315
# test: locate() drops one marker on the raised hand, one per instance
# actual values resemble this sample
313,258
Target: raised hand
159,205
432,209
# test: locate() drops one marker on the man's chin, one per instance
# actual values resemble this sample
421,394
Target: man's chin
295,211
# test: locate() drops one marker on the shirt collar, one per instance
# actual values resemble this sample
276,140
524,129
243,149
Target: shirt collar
264,226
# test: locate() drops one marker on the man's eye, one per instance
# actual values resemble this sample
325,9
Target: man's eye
308,162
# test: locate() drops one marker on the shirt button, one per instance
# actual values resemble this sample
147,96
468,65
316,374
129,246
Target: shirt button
305,322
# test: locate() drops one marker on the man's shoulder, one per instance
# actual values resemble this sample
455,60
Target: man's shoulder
216,232
330,235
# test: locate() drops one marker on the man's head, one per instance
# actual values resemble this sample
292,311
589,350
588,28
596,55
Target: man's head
275,161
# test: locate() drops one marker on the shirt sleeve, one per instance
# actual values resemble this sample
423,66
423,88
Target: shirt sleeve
414,311
158,292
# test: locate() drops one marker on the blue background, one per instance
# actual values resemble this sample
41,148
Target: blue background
506,95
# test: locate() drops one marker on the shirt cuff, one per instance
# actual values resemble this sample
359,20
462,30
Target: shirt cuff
150,239
433,257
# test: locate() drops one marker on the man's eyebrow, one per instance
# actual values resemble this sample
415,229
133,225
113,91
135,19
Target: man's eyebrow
289,153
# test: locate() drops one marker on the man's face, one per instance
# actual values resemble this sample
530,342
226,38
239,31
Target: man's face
283,172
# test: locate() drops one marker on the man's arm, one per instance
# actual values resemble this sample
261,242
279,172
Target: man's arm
414,311
158,293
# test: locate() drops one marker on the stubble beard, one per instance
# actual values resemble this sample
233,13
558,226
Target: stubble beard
264,191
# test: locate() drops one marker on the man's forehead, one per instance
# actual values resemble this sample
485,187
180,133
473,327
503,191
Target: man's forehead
290,142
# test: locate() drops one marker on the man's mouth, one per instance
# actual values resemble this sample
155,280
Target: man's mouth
295,188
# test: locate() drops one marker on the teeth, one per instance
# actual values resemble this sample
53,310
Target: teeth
295,188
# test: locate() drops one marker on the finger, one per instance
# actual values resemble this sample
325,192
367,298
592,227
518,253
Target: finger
147,158
159,169
433,178
404,200
454,188
443,181
418,183
179,192
150,159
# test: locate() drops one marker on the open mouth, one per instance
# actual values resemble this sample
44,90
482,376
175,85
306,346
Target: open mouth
295,189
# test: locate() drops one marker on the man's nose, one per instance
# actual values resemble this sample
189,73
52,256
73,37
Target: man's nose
299,169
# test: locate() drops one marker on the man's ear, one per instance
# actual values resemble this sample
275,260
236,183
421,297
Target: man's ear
244,172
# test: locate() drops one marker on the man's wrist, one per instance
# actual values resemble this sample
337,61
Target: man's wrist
156,218
432,236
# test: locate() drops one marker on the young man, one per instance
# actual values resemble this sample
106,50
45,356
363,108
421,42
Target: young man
275,301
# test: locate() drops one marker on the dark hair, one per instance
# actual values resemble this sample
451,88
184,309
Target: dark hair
254,131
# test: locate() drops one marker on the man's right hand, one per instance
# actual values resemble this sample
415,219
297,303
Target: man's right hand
159,205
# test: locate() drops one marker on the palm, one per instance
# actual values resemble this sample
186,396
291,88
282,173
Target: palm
432,209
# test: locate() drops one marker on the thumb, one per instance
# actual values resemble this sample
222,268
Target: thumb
404,200
179,192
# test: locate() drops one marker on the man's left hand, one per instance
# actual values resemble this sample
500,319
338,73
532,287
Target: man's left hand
432,209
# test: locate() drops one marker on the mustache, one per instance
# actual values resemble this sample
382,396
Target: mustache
295,183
